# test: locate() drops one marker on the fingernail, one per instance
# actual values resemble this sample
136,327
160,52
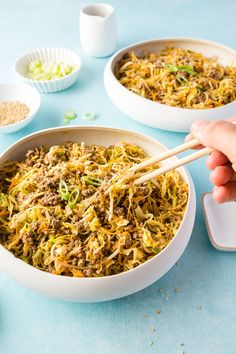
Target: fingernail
199,125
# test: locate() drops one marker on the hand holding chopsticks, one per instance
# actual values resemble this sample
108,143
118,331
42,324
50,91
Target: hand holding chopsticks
172,165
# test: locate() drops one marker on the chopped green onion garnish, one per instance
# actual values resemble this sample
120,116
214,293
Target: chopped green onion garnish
92,180
39,70
73,198
34,65
70,197
187,68
63,190
172,68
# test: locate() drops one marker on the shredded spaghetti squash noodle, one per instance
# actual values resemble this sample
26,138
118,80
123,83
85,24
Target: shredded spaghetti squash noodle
67,210
179,78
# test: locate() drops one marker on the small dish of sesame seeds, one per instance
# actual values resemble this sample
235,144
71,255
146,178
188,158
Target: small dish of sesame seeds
19,104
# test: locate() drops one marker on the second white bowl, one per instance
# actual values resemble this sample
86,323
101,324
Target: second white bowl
159,115
53,55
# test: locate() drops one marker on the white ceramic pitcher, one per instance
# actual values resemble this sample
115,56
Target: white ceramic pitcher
98,29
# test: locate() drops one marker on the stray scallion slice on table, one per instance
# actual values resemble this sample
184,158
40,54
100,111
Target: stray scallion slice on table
88,115
68,116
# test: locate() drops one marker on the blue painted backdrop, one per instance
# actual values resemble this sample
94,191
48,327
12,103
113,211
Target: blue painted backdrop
199,317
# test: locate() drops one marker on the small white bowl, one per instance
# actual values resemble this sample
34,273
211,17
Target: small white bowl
54,55
108,287
25,94
159,115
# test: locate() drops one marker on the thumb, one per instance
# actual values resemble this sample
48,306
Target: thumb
219,135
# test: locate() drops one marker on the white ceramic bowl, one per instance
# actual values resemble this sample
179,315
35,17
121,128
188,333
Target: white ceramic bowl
54,55
25,94
156,114
109,287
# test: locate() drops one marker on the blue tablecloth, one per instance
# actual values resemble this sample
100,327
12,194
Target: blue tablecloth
198,317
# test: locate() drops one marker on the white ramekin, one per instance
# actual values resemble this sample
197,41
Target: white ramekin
25,94
55,55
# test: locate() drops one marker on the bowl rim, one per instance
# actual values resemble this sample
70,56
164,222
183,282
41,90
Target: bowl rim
111,62
191,197
29,117
99,4
75,71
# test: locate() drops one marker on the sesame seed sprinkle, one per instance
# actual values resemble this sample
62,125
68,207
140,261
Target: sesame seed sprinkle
12,112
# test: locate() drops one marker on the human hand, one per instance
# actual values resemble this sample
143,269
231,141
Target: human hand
221,136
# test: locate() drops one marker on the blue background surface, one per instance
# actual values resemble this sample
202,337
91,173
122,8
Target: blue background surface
201,316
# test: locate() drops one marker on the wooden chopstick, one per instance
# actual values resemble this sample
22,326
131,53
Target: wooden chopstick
186,146
193,143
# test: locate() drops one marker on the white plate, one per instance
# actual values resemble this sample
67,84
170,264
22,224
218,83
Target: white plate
159,115
220,221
